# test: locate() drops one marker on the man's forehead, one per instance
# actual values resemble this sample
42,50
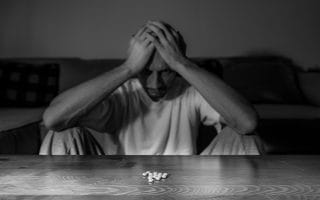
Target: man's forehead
157,63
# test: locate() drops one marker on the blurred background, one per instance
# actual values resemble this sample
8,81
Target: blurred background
101,28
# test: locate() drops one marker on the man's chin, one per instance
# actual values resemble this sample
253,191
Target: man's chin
154,97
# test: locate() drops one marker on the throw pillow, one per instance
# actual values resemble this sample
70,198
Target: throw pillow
310,86
28,85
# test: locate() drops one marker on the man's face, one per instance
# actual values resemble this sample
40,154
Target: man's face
157,78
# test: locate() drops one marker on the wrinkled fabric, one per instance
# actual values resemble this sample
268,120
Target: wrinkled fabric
73,141
138,126
141,126
229,142
80,141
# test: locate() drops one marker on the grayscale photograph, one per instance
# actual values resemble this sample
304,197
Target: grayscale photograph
150,99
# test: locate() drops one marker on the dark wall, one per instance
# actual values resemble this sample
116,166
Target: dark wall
101,28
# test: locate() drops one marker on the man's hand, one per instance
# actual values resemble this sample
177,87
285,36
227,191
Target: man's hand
139,52
236,112
166,42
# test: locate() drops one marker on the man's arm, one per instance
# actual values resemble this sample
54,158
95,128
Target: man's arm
236,112
68,107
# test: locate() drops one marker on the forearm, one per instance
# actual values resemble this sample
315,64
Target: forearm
65,110
235,110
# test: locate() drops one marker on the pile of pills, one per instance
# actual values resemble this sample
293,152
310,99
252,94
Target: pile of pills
152,176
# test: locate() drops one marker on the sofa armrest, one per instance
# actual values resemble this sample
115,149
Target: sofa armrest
21,140
310,86
289,136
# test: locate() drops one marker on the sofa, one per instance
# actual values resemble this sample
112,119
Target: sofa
286,97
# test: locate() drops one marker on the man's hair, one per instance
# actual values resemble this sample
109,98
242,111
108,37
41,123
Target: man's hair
179,40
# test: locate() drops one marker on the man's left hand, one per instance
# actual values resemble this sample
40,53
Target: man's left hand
166,42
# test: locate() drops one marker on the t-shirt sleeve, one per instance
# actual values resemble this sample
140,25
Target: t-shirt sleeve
208,115
106,116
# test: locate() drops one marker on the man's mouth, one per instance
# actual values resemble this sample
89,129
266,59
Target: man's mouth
156,93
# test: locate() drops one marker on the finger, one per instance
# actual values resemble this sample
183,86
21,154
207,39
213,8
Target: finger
147,41
154,40
148,44
175,35
158,33
144,35
133,40
167,32
140,32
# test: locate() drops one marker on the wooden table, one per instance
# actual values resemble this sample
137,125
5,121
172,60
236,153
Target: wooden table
191,177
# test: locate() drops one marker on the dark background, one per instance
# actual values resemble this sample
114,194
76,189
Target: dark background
101,28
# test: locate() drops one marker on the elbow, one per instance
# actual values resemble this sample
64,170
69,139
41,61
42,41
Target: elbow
51,121
248,123
249,126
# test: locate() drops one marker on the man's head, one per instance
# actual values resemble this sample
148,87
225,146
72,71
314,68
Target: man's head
157,77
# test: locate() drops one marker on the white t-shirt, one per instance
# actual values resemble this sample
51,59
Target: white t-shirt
140,126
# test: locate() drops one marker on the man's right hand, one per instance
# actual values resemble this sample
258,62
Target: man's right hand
139,52
71,107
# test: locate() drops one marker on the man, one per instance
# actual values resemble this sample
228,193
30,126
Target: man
151,104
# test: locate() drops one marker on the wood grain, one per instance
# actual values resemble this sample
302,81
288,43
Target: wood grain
191,177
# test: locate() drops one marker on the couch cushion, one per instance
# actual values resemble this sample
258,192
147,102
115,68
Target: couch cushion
76,71
310,86
211,65
28,85
21,140
289,129
19,130
12,118
273,111
264,80
290,136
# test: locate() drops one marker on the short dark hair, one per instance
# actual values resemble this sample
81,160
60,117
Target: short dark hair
180,40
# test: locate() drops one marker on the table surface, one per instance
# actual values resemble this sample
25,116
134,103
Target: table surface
191,177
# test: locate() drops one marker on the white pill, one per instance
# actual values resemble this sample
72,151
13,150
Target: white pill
164,175
144,174
158,178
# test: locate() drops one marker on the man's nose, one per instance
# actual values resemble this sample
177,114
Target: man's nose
155,81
